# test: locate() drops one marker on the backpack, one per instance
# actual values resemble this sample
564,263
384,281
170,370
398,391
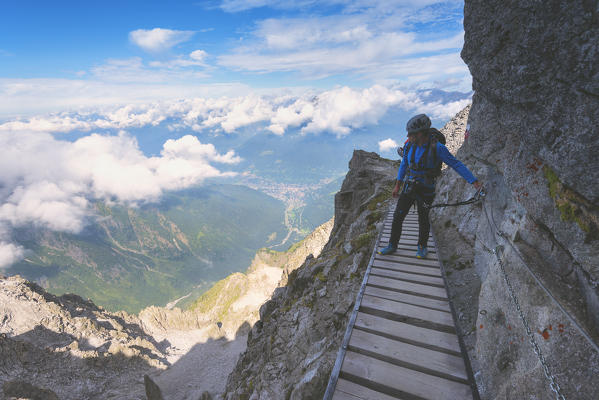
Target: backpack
437,135
433,168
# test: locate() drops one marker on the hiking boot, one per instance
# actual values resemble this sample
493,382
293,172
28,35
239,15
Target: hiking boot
422,251
387,250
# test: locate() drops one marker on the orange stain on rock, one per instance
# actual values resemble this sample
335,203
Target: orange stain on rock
481,326
545,334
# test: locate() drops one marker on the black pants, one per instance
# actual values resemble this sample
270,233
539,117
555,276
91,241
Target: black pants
421,196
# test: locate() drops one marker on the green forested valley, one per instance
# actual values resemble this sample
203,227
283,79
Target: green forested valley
131,257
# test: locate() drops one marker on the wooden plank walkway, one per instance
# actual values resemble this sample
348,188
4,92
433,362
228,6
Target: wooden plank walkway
402,338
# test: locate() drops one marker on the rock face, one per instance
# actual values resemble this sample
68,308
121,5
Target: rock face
533,142
292,348
70,347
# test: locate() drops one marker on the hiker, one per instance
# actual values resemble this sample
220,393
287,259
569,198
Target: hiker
423,155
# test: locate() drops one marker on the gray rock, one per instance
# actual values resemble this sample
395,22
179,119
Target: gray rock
533,139
25,390
152,389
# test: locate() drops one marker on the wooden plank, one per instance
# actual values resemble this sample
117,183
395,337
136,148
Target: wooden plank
354,391
409,225
409,239
407,249
419,358
441,305
413,288
407,221
407,242
410,260
407,310
413,225
407,268
410,333
389,225
413,232
403,379
405,233
410,234
406,276
409,252
339,395
387,235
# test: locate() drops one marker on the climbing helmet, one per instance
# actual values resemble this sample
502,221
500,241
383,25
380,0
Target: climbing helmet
418,123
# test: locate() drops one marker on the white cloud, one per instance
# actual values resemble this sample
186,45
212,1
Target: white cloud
387,145
34,96
10,253
159,39
362,39
49,183
337,111
198,55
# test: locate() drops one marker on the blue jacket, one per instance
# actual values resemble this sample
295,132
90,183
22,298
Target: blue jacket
442,154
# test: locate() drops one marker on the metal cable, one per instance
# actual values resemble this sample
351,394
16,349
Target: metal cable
552,380
538,281
478,196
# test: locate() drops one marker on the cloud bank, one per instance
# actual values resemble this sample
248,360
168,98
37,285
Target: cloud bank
49,183
336,111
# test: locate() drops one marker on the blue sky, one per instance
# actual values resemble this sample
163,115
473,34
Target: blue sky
109,52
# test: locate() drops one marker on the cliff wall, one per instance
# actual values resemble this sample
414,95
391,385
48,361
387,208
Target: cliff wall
533,141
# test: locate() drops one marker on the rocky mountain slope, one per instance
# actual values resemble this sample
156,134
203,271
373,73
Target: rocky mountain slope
68,348
292,348
533,141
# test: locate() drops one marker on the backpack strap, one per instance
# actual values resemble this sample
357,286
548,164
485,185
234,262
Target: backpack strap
406,153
